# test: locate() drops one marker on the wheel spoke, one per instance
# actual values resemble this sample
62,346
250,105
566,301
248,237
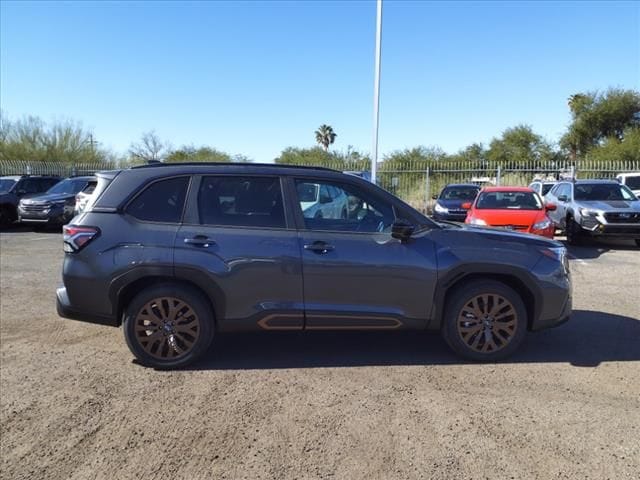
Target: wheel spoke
487,322
167,328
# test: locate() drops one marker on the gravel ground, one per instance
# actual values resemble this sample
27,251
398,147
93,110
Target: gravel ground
73,404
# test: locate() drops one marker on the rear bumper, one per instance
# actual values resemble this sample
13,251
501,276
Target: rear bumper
63,306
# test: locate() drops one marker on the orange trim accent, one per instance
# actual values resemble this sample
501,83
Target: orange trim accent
264,323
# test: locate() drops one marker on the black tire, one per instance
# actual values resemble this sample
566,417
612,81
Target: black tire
637,242
506,331
190,332
7,216
573,232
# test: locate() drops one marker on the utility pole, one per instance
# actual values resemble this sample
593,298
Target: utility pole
376,93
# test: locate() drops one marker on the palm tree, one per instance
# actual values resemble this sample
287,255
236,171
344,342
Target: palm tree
325,136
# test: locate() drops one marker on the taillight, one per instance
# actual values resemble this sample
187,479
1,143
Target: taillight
75,238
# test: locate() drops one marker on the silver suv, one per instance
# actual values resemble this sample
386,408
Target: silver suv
595,208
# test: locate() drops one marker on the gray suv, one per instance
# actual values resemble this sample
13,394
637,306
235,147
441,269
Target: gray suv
597,208
176,253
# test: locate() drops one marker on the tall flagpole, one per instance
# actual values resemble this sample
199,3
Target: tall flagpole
376,93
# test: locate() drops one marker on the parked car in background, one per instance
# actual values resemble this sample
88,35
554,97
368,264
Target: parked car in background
159,253
542,187
449,203
514,208
15,187
631,181
82,197
322,201
54,207
598,208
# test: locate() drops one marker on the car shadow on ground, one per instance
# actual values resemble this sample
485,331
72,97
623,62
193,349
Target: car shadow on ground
593,248
587,340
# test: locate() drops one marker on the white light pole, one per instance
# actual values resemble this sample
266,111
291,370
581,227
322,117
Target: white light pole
376,93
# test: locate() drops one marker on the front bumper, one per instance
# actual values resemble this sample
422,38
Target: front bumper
617,230
63,306
450,217
54,215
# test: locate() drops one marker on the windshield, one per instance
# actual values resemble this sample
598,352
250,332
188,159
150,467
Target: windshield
6,184
459,193
633,182
509,201
603,191
68,186
546,187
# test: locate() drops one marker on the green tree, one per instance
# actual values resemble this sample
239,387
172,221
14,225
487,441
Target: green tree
519,147
614,150
201,154
325,136
318,157
597,118
31,139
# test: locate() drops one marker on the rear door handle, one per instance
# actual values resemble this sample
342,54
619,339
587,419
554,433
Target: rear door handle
319,247
199,241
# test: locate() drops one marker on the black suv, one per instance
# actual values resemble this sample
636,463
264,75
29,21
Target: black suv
56,206
15,187
178,252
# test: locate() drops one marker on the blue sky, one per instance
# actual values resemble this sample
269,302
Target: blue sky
254,78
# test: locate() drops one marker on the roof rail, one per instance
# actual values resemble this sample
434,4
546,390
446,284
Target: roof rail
235,164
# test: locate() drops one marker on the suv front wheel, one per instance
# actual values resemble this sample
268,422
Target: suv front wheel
484,321
168,326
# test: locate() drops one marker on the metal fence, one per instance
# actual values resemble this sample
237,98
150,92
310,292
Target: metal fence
415,182
15,167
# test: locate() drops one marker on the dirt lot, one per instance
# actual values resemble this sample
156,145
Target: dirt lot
375,406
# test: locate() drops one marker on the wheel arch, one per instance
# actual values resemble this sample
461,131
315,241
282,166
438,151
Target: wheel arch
519,281
123,292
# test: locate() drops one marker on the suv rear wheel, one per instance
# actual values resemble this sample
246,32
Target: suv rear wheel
168,326
484,321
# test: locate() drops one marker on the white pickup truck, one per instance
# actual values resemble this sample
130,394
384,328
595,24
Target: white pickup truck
631,181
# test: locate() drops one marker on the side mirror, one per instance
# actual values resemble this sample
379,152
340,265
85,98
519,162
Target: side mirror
563,198
435,197
466,205
402,230
550,207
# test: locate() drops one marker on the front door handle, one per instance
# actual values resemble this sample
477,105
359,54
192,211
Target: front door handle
319,247
199,241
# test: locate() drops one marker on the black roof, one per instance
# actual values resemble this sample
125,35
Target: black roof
248,165
474,185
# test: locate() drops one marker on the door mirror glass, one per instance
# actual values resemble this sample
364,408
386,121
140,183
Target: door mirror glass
402,229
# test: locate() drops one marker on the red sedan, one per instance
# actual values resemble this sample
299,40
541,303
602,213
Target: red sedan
515,208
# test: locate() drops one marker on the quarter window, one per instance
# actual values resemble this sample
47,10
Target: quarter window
342,207
162,201
241,202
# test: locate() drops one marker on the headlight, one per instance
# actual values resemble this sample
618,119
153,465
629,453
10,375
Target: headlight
585,212
440,209
478,221
542,225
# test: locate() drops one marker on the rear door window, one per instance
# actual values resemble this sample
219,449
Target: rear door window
162,201
241,202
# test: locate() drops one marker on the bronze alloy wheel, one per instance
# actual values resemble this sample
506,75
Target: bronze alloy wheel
167,328
487,323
